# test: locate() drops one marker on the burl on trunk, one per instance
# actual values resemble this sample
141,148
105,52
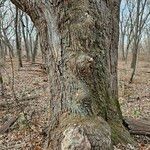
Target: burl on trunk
79,39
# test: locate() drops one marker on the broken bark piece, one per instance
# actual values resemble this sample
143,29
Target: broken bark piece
138,126
6,126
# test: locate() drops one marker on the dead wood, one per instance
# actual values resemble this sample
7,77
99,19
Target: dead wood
6,126
22,102
138,126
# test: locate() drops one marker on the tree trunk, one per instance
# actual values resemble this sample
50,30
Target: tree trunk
80,42
18,42
2,59
4,38
1,81
34,53
25,41
136,42
2,53
7,43
122,46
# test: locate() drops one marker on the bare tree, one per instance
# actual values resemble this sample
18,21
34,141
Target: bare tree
134,18
141,19
4,28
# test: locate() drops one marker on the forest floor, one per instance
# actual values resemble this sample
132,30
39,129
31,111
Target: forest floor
134,98
27,99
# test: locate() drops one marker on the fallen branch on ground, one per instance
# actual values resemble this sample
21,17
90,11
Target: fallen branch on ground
138,126
6,126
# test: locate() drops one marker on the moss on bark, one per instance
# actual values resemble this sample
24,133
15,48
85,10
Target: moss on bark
119,134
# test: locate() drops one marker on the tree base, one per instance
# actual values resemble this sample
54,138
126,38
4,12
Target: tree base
81,133
87,133
119,134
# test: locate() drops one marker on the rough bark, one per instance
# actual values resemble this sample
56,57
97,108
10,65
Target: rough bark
80,42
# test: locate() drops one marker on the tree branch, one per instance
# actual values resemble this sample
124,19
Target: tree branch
27,6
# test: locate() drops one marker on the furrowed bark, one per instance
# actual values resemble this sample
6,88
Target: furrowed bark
80,40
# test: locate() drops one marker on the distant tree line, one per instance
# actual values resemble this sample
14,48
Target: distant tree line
18,35
134,30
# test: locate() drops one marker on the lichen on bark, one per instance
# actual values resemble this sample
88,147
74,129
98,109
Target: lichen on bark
80,40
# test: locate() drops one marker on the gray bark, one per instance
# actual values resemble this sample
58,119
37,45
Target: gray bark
25,37
18,38
80,42
34,53
136,42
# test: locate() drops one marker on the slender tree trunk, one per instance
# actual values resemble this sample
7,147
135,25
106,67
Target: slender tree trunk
30,37
148,43
4,38
136,42
30,43
2,53
127,50
5,47
8,44
149,54
80,42
18,43
35,49
122,47
1,80
2,58
25,41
